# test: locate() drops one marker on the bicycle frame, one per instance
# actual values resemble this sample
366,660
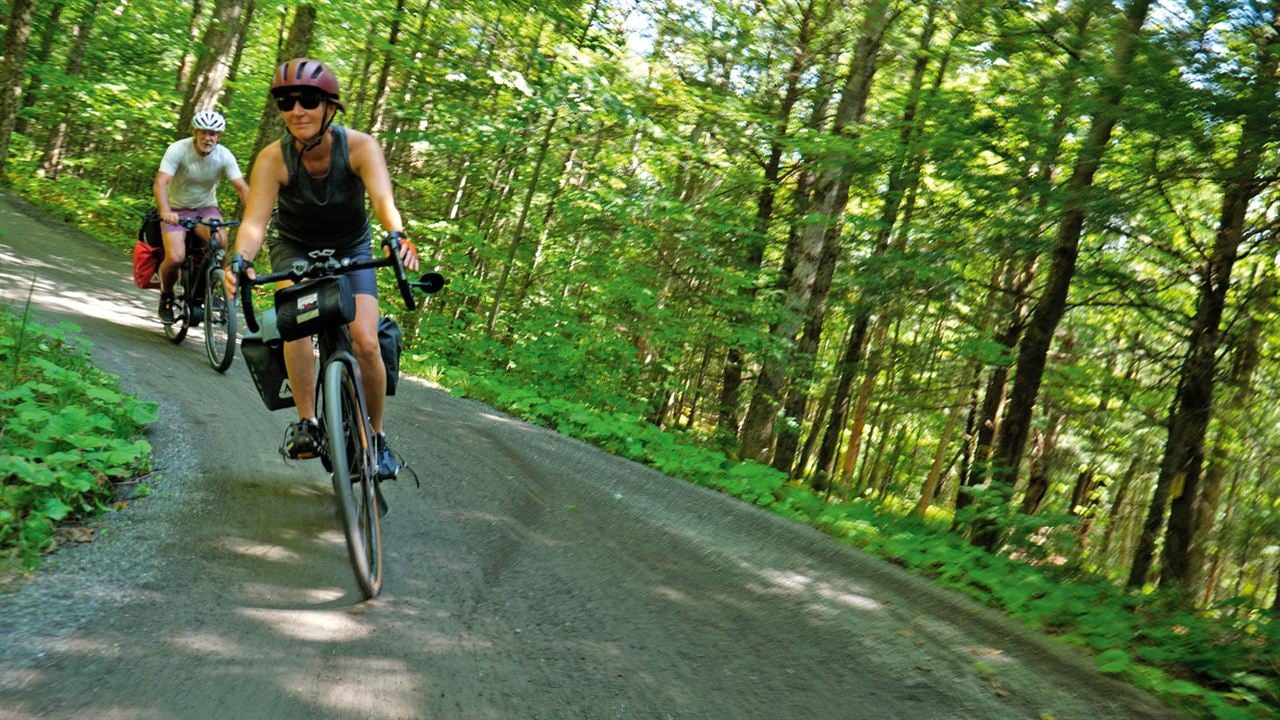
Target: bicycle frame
202,259
347,437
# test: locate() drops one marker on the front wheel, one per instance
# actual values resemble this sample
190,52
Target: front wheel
350,441
176,331
219,321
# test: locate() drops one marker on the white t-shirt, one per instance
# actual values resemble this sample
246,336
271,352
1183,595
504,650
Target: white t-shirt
195,178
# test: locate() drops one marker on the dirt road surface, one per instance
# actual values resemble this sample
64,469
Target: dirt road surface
531,576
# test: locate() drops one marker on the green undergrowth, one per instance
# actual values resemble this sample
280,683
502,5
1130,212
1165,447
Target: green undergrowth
67,433
1221,664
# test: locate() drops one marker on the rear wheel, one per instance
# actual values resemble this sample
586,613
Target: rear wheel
219,321
351,459
176,331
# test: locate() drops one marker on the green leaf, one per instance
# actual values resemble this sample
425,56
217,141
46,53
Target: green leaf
1114,661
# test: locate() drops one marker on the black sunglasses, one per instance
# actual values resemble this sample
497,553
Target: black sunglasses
309,101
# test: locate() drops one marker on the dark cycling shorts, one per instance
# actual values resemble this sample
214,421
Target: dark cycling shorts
363,282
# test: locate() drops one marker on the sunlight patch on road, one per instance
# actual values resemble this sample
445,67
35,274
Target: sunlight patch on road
843,597
205,643
791,582
269,593
332,537
670,593
90,646
265,551
92,306
362,687
18,286
14,678
310,625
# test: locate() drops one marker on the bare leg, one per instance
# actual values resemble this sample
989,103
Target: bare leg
175,251
373,374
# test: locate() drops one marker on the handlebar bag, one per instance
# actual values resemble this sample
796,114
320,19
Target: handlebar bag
146,264
305,309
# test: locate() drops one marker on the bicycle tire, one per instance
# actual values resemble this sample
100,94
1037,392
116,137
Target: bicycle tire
177,330
351,459
219,321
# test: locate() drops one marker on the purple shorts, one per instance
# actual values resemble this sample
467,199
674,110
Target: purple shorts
207,212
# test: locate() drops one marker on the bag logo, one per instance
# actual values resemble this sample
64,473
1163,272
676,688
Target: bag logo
285,391
308,307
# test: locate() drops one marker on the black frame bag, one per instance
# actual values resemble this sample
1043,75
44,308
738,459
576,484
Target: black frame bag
304,309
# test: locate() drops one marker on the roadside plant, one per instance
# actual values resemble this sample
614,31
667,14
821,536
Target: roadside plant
67,433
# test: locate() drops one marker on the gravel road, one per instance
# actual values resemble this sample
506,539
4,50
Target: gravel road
531,576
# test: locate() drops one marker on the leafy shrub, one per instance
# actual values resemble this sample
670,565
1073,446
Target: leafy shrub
66,432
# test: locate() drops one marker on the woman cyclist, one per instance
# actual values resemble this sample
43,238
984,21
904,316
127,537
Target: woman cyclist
319,174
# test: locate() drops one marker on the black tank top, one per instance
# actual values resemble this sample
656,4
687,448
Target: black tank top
325,212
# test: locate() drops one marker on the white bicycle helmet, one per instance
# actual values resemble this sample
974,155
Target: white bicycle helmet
209,120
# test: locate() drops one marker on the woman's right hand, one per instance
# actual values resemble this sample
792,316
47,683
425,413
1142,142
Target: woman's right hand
231,273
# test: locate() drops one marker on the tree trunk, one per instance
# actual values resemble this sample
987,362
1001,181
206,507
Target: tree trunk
193,37
1193,406
1246,360
51,30
1015,306
214,63
1179,479
731,383
51,163
1034,350
1046,443
1115,515
517,236
939,460
805,353
850,363
241,37
12,74
904,177
297,45
829,197
377,110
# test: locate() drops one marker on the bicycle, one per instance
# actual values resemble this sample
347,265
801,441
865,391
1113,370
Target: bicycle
347,449
198,294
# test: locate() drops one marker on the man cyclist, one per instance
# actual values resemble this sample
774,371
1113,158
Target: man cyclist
319,174
185,187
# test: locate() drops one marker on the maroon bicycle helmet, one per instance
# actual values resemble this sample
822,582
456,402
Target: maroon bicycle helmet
305,72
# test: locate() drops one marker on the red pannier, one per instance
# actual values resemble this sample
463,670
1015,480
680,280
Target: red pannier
148,251
146,265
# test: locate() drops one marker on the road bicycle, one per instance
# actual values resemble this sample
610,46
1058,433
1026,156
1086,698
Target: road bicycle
347,448
198,294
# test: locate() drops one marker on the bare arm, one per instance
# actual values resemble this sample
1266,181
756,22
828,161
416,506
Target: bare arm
269,174
160,188
367,160
242,189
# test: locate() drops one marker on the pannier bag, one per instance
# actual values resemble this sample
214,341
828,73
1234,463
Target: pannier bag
149,231
304,309
264,354
146,264
390,340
